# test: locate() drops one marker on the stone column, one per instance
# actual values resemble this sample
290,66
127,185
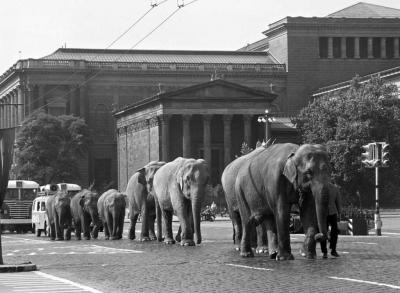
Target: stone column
383,47
20,100
164,120
12,109
227,139
247,128
207,138
343,53
1,112
41,97
396,47
357,47
73,106
7,108
186,139
370,50
330,47
83,102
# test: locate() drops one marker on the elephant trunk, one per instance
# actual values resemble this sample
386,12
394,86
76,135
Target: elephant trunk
96,222
196,209
65,217
321,204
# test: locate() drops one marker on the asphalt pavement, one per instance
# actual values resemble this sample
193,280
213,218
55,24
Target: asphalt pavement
367,263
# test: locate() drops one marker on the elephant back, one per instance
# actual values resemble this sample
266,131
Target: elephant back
135,189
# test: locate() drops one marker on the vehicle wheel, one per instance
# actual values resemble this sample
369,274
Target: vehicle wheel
37,232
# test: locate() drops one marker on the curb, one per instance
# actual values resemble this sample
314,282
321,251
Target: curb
24,267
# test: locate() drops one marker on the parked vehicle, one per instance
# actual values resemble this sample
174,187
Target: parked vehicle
16,211
39,215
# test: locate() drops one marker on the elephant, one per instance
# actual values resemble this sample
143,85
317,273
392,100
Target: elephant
228,178
141,200
84,211
268,184
59,215
111,206
180,187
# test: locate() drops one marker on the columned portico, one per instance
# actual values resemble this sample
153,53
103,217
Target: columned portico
247,128
20,101
164,119
186,139
207,137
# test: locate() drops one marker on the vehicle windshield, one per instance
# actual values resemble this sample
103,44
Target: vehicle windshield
26,194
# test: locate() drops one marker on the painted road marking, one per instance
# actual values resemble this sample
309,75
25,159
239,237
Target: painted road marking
366,282
70,250
248,267
369,243
35,282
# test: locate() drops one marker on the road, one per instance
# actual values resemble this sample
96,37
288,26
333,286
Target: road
367,263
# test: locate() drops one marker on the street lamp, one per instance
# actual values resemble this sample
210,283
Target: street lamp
267,118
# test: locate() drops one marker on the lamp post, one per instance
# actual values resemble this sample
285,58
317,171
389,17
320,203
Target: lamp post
267,118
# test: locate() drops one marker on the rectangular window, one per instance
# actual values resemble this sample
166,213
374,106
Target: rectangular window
363,48
376,47
350,47
389,48
336,47
323,47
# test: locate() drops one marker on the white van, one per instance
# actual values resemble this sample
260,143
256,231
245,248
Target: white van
39,215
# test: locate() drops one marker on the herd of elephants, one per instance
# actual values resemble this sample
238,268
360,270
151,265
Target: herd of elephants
260,188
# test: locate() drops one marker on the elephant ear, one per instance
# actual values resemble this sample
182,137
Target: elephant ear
142,176
290,170
183,177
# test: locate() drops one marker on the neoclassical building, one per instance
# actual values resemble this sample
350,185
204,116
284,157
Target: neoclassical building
199,103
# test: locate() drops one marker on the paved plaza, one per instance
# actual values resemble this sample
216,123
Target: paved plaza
367,263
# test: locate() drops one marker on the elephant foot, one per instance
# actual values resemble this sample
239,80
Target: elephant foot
273,255
178,238
86,238
248,253
261,249
187,242
311,256
153,237
52,238
115,237
287,256
77,238
107,237
160,239
144,239
169,241
60,239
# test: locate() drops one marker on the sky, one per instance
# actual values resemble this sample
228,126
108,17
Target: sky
33,29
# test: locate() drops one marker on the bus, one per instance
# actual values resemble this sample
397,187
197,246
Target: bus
70,188
16,211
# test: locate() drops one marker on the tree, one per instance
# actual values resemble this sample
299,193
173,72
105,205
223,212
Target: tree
49,148
347,120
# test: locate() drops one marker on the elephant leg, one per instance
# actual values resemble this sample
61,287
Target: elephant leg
59,232
78,229
245,244
67,233
121,225
132,227
112,226
271,237
178,236
159,220
282,223
106,231
167,227
184,220
262,239
144,233
152,234
86,226
52,231
308,220
237,229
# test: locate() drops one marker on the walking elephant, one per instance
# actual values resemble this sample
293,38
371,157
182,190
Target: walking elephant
270,182
59,215
111,206
265,241
84,211
180,187
141,200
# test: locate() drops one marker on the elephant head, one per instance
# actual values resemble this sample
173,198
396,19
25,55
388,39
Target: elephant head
88,202
146,174
192,178
308,169
63,209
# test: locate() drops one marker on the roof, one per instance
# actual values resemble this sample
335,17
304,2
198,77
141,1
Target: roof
22,184
366,10
257,46
164,56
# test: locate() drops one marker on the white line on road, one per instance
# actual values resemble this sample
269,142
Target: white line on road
369,243
118,249
51,277
366,282
248,267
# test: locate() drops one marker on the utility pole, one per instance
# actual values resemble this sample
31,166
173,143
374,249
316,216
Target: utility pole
267,118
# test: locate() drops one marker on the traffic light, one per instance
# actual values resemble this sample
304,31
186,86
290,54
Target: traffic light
368,155
385,154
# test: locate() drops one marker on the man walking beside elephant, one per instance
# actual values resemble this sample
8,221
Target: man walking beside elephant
332,219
